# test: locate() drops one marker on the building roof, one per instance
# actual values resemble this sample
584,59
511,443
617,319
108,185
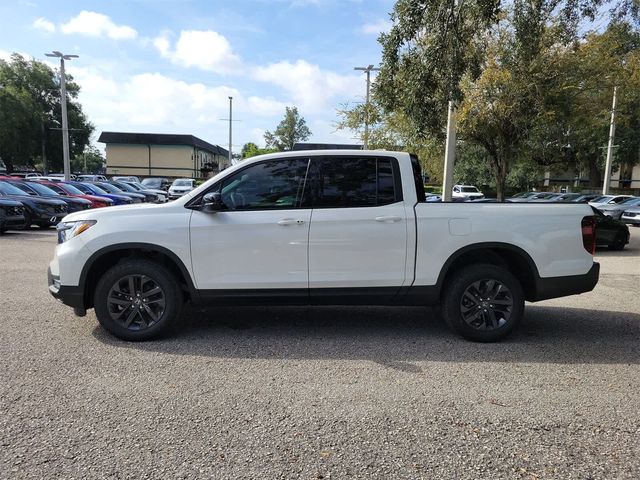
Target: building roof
161,139
326,146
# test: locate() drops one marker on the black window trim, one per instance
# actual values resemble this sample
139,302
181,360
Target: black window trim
395,169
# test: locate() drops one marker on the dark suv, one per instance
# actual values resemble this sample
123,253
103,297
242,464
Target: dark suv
11,215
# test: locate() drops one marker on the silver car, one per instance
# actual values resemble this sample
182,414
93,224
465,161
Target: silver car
631,216
615,210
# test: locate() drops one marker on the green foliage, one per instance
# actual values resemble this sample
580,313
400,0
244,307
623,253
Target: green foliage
293,128
30,113
250,149
89,161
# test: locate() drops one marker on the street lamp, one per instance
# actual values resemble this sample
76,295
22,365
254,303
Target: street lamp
63,103
368,71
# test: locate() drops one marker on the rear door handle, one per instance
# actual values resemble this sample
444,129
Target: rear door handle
290,221
388,218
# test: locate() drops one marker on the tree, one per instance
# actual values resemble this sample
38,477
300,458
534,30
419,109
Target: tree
293,128
30,115
89,161
250,149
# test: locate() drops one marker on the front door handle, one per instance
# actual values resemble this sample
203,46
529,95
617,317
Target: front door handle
290,221
388,218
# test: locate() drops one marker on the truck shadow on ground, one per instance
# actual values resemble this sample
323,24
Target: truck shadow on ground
395,337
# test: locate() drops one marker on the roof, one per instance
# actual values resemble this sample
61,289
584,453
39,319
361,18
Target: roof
326,146
161,139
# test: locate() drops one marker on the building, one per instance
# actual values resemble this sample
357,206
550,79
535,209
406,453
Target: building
161,155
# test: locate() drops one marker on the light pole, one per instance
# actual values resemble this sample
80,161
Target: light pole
63,103
612,133
368,71
230,128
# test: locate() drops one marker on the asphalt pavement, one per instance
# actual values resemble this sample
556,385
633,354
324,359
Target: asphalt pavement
318,393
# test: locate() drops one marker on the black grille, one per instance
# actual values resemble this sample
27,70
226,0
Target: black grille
13,211
61,208
86,206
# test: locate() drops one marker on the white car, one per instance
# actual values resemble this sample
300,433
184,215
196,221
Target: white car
467,192
181,186
91,178
321,227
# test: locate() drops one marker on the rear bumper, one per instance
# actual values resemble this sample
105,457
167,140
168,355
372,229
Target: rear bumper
69,295
554,287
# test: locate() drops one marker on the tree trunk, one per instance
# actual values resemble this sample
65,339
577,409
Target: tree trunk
595,175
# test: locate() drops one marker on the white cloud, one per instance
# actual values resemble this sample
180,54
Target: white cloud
310,87
98,25
44,25
204,49
377,27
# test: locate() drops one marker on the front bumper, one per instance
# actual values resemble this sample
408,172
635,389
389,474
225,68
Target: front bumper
554,287
631,220
69,295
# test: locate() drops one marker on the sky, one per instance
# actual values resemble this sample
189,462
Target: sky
163,66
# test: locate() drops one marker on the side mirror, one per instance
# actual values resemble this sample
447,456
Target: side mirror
212,202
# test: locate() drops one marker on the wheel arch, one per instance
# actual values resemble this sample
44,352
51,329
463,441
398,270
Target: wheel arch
100,261
506,255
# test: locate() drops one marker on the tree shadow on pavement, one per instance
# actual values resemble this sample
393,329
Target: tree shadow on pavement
395,337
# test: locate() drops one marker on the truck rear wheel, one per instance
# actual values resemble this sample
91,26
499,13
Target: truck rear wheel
483,302
137,300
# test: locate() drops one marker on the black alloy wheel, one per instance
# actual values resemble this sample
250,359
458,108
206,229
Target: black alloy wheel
136,302
482,302
138,299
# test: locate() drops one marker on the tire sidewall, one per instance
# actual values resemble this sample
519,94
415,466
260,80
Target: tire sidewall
159,274
456,287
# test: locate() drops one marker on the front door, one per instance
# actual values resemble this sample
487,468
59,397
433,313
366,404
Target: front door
260,240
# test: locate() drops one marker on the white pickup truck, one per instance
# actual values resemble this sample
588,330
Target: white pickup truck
321,227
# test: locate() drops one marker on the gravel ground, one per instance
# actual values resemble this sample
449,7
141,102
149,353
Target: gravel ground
319,392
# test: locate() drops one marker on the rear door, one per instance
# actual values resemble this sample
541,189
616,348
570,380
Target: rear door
358,234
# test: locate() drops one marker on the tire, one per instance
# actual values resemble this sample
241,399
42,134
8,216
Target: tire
618,243
27,221
472,287
150,315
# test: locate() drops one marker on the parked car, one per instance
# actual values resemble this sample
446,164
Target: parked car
74,204
125,187
316,228
11,215
92,189
615,210
432,197
466,192
91,178
161,196
610,232
26,174
111,188
522,196
159,183
543,197
69,190
43,212
126,179
631,216
181,186
586,197
608,200
569,197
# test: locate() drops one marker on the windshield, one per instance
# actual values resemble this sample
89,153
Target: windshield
68,188
152,182
469,189
182,183
124,186
90,188
41,189
9,189
110,188
600,199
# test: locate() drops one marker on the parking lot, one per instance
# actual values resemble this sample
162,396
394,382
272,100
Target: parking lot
314,393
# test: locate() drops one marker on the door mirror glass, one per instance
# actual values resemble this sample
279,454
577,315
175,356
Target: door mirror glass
212,202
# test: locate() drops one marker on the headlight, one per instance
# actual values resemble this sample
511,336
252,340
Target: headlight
68,230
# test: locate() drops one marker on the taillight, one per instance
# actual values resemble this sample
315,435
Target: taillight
589,234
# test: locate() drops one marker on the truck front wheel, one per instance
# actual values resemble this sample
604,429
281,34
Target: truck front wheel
137,300
483,302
